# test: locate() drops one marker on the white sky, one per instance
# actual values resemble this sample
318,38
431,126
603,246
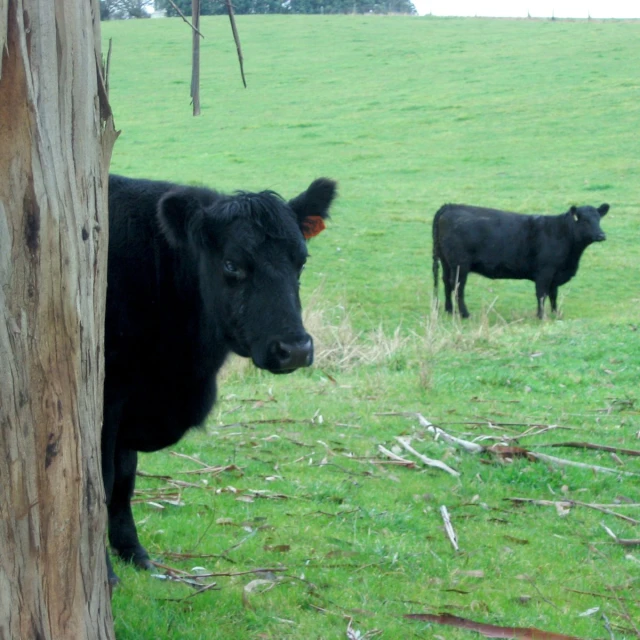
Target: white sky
534,8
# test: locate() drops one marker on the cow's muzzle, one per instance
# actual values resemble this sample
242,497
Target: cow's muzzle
285,357
601,237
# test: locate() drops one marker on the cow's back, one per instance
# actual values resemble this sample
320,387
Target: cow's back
493,243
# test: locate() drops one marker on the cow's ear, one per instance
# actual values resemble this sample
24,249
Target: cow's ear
312,206
179,214
574,212
602,209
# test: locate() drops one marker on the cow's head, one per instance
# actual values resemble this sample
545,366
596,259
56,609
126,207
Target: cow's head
251,249
587,223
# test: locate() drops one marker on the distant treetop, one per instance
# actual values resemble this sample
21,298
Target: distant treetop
124,9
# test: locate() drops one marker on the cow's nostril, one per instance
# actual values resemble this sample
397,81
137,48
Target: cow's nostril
280,351
289,356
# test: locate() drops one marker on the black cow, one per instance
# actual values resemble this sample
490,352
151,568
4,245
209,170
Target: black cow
192,276
501,244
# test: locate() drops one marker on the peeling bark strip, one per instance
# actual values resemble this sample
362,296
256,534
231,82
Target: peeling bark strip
54,155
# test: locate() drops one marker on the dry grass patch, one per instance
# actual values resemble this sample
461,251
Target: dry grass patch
340,347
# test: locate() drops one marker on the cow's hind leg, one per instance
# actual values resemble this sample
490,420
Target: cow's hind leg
460,281
122,528
448,287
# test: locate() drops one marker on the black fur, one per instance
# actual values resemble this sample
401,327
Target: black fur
501,244
193,275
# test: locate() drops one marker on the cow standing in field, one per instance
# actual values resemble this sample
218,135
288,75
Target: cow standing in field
192,276
501,244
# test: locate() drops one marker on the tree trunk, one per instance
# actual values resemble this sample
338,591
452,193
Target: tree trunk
56,136
195,57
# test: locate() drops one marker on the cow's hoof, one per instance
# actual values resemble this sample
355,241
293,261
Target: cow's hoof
113,581
144,563
137,556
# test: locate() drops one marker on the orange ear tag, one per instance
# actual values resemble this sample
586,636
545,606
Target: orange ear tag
312,226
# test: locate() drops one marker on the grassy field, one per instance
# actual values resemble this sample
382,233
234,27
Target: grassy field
286,494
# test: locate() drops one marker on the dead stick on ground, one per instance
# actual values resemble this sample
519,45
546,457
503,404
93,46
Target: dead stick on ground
627,542
535,431
470,447
428,461
448,527
217,574
186,457
574,503
570,463
598,507
397,458
531,581
591,445
607,626
473,447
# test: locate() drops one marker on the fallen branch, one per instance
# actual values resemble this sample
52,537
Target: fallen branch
507,451
396,458
217,574
205,467
248,423
536,430
471,447
354,634
489,630
602,595
627,542
427,461
498,449
574,503
187,556
591,445
448,527
581,465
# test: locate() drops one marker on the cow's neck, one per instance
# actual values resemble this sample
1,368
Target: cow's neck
201,339
576,247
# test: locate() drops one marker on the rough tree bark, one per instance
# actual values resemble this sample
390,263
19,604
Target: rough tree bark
56,136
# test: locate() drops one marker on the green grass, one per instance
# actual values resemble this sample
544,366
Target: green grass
406,113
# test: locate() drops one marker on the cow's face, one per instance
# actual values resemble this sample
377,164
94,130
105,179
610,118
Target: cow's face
587,223
251,251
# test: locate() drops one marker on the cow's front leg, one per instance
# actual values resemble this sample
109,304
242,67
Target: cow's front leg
542,290
553,297
112,416
122,528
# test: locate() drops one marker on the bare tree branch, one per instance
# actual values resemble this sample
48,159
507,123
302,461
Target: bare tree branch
175,6
236,37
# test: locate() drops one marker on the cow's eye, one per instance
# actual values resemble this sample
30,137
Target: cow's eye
232,269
